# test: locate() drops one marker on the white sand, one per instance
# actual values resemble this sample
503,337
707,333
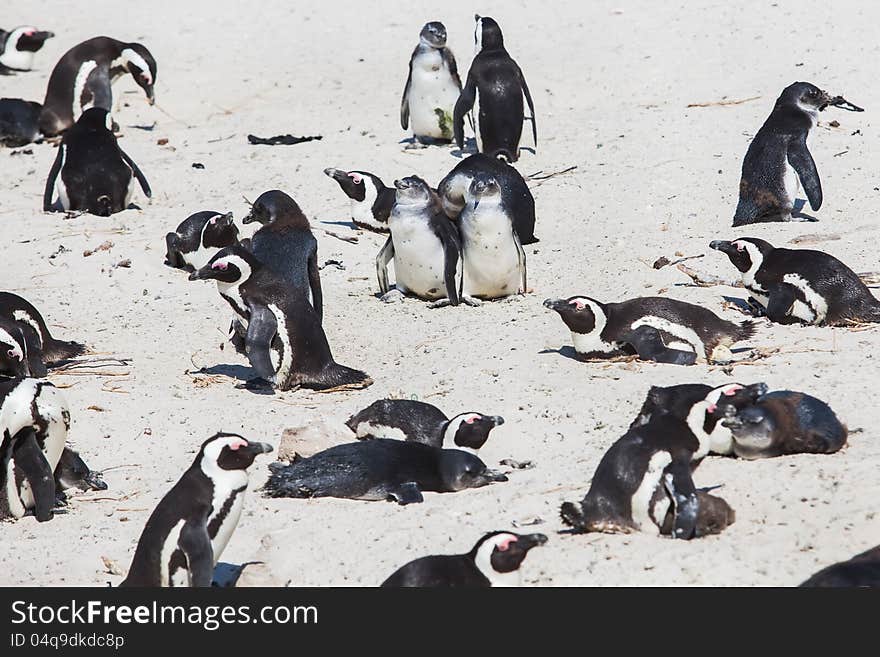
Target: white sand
611,84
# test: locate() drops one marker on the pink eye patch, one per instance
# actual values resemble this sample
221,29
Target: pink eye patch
356,177
15,353
580,305
504,544
731,390
221,265
739,246
470,419
241,442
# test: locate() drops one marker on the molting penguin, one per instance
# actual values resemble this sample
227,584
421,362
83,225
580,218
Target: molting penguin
375,470
800,285
278,319
91,172
863,570
18,309
83,76
646,476
655,328
285,244
19,122
198,238
424,423
494,561
371,200
778,157
432,87
783,422
424,244
516,199
18,46
34,421
190,527
494,89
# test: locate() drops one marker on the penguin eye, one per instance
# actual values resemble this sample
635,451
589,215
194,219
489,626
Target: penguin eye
356,178
11,353
580,305
470,420
740,247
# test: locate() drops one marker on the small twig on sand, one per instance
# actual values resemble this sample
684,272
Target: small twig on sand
344,238
663,261
124,465
538,174
92,362
723,103
702,280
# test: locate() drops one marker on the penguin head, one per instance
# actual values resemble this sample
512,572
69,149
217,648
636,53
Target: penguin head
231,265
274,207
13,350
805,96
17,47
501,552
142,66
433,34
752,429
487,34
719,400
745,253
578,313
713,516
459,470
94,119
220,231
229,451
470,430
412,190
484,188
353,183
72,472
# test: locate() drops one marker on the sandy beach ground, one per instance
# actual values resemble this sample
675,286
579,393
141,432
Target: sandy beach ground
611,83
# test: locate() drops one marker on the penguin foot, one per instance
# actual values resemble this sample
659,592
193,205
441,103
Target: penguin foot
392,296
721,355
257,384
440,303
473,302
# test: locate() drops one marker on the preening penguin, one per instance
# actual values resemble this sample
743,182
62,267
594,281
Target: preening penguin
655,328
192,524
425,423
800,285
18,47
778,158
494,561
198,238
371,200
494,90
91,172
83,76
424,245
432,87
72,472
17,309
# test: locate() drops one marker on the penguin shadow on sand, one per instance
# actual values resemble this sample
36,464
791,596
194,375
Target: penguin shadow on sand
566,350
470,147
226,575
240,373
797,214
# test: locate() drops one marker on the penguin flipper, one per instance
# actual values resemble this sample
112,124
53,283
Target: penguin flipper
678,483
648,343
800,159
463,105
31,460
528,95
315,285
404,100
780,300
196,545
172,252
386,253
261,331
145,186
521,264
53,177
406,493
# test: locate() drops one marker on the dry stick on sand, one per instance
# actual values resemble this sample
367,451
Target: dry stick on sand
724,103
537,175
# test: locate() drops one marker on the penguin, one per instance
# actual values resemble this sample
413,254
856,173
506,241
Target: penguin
517,201
34,421
91,173
783,422
654,328
371,200
494,90
778,157
20,354
800,285
285,244
192,524
425,423
679,400
18,47
19,122
493,259
278,318
494,561
432,87
863,570
646,476
381,469
83,76
72,472
424,244
198,238
19,309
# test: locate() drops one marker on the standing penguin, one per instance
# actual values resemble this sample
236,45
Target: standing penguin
278,320
34,421
371,200
191,526
18,309
424,245
432,87
91,172
425,423
83,76
800,285
494,561
517,201
494,89
18,46
285,244
778,157
198,238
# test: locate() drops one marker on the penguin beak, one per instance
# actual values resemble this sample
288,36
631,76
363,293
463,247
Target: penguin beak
722,245
94,481
201,274
494,475
151,95
528,541
496,420
337,174
555,304
257,448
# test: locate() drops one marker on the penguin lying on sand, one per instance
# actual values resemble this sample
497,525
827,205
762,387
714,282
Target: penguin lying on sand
19,309
18,47
863,570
